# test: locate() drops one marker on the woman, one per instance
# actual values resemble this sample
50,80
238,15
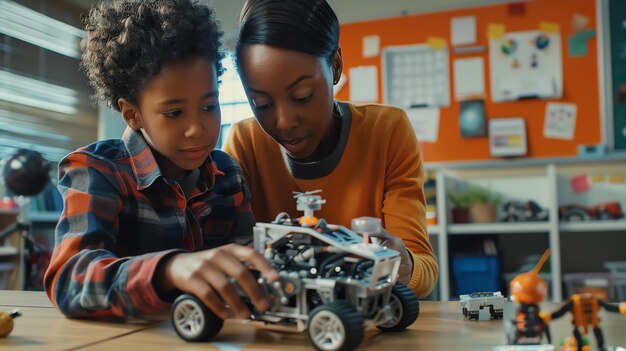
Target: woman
365,158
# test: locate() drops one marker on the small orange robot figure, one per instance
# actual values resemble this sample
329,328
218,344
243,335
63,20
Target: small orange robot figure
584,309
528,290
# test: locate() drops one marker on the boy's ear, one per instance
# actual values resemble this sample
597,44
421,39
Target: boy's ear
337,65
130,113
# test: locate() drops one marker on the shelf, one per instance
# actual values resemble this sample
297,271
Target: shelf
9,212
434,229
47,216
499,228
8,251
594,226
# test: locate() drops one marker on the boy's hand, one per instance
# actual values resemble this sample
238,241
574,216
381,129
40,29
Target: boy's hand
205,274
406,261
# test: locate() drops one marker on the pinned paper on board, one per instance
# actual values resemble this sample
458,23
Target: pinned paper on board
364,84
463,30
580,183
579,22
469,78
495,31
560,121
415,76
472,119
425,123
371,46
549,27
525,65
507,137
436,43
577,43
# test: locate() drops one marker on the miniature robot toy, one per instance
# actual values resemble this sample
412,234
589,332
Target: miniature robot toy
333,283
584,309
528,211
474,302
528,290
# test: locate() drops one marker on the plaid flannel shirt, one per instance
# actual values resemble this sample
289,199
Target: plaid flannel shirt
121,217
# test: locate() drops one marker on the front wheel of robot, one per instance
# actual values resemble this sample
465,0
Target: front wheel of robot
193,321
405,308
335,326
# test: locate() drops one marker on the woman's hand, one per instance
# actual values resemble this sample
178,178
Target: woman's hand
406,261
206,274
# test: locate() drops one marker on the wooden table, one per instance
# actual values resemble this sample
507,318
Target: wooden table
440,326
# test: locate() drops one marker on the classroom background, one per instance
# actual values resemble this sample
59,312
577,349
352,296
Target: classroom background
519,107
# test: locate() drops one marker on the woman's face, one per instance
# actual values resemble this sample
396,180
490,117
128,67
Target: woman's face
291,94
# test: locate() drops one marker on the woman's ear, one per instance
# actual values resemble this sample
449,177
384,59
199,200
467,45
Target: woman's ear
130,113
337,65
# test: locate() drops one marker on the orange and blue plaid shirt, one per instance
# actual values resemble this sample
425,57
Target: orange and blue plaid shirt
121,217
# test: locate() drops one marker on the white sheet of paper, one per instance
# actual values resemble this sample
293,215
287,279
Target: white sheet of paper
463,30
560,122
469,77
425,122
342,81
371,46
364,84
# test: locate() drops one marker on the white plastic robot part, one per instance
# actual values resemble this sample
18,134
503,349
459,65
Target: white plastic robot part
367,226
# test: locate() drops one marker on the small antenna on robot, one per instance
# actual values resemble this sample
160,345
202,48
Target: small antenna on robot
541,262
297,194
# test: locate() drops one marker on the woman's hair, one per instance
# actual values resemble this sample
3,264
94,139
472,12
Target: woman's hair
308,26
130,41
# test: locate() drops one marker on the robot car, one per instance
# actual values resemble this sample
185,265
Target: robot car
474,302
333,283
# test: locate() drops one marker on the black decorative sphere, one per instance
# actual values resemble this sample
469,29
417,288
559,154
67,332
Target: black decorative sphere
26,172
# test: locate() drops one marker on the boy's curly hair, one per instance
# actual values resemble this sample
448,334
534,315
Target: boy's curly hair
129,42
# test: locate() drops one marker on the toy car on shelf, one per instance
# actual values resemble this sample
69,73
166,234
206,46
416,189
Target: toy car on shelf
333,284
603,211
474,302
523,211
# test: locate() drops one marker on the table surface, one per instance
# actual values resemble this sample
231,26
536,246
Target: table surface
440,326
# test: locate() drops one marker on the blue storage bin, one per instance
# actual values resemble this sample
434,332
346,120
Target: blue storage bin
476,274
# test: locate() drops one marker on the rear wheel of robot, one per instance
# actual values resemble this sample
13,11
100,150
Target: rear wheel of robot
193,321
465,311
405,308
335,326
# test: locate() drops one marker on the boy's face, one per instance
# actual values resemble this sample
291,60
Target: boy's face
292,98
179,113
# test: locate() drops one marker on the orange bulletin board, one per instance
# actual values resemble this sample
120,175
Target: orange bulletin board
580,74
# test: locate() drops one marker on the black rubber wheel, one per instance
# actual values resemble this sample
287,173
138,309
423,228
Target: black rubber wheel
405,308
465,311
193,321
335,326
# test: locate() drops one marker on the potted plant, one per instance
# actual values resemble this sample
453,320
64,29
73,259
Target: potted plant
460,206
482,205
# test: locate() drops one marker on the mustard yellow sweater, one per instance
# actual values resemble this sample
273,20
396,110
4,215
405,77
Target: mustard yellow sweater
376,170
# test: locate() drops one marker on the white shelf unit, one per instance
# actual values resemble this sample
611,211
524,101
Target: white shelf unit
548,185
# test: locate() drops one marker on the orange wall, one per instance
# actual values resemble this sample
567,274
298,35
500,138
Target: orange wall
580,75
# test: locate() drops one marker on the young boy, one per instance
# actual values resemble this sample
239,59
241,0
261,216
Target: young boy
140,211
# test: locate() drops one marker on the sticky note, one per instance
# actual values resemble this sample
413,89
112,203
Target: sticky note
617,178
549,27
598,178
436,42
495,31
580,183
